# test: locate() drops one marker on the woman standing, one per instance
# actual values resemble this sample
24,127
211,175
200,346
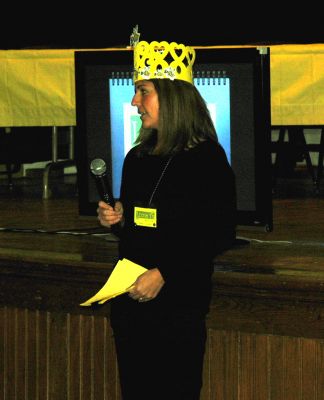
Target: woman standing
176,213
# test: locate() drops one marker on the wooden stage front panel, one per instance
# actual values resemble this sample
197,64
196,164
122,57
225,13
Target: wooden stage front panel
266,323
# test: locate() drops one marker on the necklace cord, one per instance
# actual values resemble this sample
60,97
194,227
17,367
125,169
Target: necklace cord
159,180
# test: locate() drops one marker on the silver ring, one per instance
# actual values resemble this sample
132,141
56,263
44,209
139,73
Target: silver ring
141,299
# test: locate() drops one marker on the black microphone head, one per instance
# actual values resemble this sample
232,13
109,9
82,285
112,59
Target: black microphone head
98,166
98,169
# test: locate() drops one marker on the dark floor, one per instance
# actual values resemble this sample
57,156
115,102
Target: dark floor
60,186
298,183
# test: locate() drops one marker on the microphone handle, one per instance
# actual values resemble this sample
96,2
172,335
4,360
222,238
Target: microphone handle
104,190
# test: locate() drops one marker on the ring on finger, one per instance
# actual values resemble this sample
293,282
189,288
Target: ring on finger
142,299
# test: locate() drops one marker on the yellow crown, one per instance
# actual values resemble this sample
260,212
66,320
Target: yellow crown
163,60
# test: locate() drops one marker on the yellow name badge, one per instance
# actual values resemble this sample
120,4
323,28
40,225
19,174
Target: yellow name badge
145,217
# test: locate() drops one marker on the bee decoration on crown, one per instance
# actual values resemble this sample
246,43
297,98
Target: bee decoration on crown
134,37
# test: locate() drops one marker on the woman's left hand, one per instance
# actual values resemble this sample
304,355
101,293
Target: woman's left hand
147,286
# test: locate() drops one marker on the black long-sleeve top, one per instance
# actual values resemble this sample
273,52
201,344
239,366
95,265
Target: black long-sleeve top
196,213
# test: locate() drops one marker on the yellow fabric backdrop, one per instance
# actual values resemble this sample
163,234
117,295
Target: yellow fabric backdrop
297,84
37,87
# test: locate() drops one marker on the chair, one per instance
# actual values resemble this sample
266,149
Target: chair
23,145
287,153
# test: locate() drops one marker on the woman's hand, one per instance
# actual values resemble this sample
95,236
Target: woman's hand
108,215
147,286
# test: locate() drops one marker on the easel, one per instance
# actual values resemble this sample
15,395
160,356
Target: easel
297,143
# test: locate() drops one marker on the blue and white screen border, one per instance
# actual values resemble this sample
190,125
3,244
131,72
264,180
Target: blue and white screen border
125,120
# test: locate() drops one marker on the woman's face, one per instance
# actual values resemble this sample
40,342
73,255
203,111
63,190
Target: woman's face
147,103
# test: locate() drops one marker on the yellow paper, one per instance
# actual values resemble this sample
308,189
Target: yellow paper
120,280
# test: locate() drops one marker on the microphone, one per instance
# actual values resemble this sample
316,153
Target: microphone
99,171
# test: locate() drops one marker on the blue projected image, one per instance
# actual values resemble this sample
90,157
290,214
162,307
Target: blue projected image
216,93
125,121
125,124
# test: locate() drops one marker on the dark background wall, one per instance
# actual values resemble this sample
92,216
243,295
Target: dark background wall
96,25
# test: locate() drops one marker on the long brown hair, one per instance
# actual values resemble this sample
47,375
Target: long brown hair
184,119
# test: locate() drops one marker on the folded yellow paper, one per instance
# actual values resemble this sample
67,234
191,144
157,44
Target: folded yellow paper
120,280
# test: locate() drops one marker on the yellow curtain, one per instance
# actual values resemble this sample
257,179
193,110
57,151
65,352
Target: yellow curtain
297,84
37,87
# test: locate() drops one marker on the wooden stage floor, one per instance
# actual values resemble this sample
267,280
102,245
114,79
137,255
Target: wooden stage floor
29,222
298,220
298,214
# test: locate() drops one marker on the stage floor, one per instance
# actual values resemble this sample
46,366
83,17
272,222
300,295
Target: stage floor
298,223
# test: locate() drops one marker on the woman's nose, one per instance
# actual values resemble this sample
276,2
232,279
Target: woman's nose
133,101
